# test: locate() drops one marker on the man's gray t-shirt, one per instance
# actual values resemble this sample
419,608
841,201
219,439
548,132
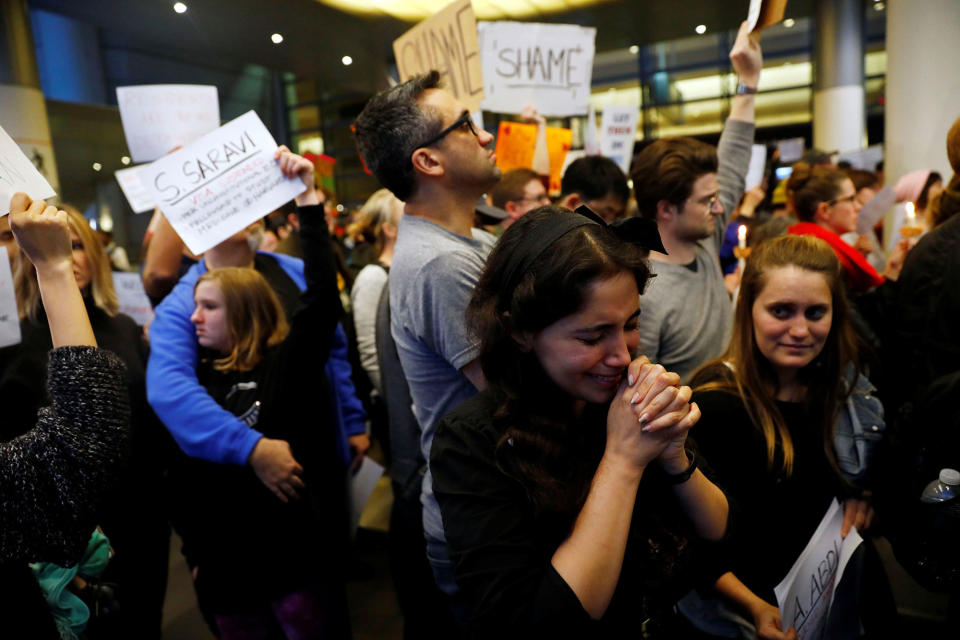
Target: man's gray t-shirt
686,316
432,276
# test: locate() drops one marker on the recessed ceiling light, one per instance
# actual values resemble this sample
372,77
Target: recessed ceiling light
179,7
634,49
701,29
125,160
97,166
879,6
276,38
340,208
789,22
346,60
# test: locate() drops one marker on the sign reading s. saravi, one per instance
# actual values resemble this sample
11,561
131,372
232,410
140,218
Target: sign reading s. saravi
548,66
221,183
446,42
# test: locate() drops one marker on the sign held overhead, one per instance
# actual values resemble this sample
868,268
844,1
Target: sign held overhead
17,173
446,42
546,65
219,184
158,117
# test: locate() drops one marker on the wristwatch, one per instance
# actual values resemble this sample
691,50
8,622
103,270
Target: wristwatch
745,89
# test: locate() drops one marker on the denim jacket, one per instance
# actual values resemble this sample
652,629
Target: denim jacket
858,430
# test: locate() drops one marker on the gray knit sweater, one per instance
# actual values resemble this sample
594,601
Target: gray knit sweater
52,477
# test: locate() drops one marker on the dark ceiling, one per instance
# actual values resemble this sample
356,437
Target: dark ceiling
233,33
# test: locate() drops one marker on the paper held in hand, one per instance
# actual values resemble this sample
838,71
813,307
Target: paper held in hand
17,173
765,13
219,184
806,595
132,297
137,194
548,66
158,117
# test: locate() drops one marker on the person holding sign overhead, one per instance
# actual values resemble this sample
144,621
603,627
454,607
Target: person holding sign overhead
53,477
778,431
262,564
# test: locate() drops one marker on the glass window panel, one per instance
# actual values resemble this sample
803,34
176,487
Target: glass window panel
307,117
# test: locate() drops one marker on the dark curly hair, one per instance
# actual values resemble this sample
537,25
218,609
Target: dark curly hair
541,444
391,126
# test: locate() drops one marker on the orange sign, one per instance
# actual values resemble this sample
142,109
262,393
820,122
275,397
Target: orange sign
515,146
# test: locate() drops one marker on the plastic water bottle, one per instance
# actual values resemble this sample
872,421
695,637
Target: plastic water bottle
944,488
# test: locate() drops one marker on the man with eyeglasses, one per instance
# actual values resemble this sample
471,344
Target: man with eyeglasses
518,192
420,142
691,189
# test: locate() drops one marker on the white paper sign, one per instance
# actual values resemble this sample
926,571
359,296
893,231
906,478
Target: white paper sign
219,184
865,159
132,297
17,173
618,128
137,194
875,209
546,65
9,320
806,594
158,117
758,162
362,485
791,150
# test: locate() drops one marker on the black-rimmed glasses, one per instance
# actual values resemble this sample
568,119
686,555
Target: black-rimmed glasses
464,119
849,199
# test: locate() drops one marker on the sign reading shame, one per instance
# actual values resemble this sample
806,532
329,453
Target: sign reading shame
158,117
219,184
17,173
546,65
446,42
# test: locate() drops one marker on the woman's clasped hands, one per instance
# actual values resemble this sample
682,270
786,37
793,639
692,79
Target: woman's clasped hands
650,417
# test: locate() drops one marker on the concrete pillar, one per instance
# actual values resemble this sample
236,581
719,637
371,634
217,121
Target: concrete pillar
23,112
923,85
839,118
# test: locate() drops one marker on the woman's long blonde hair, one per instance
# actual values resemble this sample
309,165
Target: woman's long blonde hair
380,209
256,320
101,277
745,372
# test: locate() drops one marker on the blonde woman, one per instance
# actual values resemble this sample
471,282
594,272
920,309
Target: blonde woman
377,223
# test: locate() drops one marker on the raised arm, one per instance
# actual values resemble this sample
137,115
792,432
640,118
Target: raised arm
52,477
736,141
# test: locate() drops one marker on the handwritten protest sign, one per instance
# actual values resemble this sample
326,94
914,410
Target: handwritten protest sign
765,13
137,194
219,184
158,117
132,297
758,162
806,593
546,65
9,320
515,147
17,173
446,42
618,128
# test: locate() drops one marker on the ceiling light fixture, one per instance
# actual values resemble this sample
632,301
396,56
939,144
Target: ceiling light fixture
179,7
634,49
125,160
346,60
276,38
789,22
97,166
879,6
701,29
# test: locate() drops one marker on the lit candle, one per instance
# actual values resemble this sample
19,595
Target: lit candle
911,215
742,236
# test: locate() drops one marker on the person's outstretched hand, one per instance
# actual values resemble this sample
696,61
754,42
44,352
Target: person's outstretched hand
766,619
273,462
746,56
42,233
296,166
